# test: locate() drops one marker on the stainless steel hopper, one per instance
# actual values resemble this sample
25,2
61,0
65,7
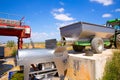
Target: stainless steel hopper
85,30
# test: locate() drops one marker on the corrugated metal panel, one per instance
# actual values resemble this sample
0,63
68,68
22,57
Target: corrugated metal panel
51,43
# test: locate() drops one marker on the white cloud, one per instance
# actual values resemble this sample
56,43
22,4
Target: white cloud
64,24
42,36
104,2
107,15
60,15
117,10
35,36
52,34
61,9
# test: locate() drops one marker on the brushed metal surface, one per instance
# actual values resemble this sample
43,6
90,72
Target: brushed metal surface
85,30
36,53
30,56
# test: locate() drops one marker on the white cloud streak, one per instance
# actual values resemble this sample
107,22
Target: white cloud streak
37,36
64,24
107,15
117,10
58,10
61,3
104,2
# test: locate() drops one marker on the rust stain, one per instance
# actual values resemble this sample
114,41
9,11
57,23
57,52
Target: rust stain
82,74
70,73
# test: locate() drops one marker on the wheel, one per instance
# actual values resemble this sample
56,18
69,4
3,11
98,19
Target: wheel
78,48
97,45
118,41
108,47
63,41
40,66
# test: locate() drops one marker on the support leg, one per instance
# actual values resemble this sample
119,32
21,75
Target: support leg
20,42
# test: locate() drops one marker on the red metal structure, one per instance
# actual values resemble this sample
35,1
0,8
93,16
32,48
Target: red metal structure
14,28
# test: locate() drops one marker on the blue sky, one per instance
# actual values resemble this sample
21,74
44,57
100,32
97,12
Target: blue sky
46,16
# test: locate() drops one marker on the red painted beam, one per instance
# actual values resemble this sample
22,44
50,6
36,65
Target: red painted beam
14,28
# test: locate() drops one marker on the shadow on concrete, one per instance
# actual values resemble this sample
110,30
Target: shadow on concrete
73,52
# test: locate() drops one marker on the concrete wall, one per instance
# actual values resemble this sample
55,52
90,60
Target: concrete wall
82,67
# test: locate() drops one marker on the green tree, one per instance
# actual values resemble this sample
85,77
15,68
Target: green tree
11,44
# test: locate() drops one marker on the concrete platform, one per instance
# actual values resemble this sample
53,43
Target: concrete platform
81,67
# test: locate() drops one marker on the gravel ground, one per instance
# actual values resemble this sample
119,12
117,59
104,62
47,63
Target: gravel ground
7,65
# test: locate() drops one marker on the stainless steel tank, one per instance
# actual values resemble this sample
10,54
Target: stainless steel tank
85,30
29,56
